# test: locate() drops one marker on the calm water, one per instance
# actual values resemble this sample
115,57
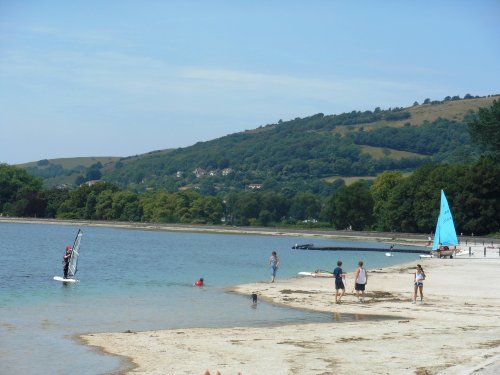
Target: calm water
137,280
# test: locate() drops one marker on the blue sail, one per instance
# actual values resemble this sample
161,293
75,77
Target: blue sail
445,228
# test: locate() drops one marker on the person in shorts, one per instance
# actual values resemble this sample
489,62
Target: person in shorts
361,279
418,280
339,282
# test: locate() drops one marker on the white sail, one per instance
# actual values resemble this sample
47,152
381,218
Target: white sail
75,253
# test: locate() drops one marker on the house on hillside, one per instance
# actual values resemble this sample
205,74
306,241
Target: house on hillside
91,182
199,172
255,186
226,171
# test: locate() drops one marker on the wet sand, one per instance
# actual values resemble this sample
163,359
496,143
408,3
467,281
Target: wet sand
455,331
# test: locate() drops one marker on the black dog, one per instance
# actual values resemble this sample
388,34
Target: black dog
254,297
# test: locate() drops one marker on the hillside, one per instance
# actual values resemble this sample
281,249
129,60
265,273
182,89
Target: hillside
303,153
64,171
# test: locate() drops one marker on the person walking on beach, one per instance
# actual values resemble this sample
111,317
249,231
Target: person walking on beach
67,257
361,279
339,282
274,262
418,279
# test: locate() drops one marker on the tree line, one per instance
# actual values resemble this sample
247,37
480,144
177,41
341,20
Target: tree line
392,202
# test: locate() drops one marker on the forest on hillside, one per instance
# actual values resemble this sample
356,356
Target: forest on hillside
393,201
290,155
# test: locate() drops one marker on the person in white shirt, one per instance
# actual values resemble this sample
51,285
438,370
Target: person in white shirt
361,279
418,279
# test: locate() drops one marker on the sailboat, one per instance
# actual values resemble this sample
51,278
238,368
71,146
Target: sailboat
445,234
73,260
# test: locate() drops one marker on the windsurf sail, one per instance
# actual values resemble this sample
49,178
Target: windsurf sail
445,228
75,254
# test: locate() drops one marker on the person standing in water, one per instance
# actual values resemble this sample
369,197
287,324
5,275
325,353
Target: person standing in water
361,279
199,282
67,257
274,262
418,279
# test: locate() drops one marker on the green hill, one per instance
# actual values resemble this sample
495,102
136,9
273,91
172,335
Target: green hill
64,171
303,153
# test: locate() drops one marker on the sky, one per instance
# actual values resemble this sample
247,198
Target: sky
126,77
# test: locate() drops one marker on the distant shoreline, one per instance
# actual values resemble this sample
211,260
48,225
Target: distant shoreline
407,238
417,239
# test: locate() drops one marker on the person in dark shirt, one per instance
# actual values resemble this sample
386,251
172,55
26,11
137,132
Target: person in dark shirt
339,282
67,257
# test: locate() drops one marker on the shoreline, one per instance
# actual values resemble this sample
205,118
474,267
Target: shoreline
417,239
453,332
390,237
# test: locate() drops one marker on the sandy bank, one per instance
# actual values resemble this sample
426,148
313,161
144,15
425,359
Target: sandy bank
456,330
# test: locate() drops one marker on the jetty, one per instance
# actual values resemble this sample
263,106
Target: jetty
392,249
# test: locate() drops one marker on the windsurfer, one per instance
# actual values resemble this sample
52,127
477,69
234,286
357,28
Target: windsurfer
67,257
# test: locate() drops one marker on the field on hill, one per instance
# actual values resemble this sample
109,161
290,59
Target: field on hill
420,114
71,163
349,180
297,154
380,152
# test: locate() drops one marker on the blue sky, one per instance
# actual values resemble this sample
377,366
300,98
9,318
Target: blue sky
120,78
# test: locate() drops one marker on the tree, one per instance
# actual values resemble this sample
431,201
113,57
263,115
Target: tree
381,191
352,206
485,129
75,206
125,206
476,206
305,206
20,192
54,198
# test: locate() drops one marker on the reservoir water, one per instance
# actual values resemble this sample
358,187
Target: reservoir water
139,280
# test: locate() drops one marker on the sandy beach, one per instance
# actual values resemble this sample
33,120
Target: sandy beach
455,331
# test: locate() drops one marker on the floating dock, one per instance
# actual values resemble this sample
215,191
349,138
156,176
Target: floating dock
394,249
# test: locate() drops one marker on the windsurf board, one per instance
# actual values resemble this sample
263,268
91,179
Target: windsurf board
316,274
59,278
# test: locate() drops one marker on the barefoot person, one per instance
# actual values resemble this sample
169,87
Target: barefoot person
339,282
418,279
361,279
274,262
